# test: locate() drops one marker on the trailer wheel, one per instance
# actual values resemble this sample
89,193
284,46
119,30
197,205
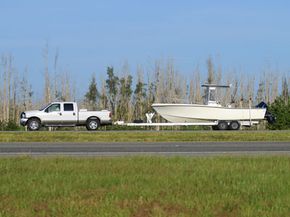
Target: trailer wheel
222,125
234,125
92,124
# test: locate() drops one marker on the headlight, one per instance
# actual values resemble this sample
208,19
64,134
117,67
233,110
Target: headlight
23,115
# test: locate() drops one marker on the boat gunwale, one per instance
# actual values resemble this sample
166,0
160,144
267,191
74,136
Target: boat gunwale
199,105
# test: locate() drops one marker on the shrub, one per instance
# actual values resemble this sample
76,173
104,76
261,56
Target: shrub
281,109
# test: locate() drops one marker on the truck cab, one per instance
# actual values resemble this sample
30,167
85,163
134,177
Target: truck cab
61,114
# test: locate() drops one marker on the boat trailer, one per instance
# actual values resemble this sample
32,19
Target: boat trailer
216,125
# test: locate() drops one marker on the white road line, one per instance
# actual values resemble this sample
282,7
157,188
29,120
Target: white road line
142,153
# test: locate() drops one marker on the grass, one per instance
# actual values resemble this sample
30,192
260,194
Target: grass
144,136
145,186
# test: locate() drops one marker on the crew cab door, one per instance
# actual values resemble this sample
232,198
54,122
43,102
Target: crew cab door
52,115
69,114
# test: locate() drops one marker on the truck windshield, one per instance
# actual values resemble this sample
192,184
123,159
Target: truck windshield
44,107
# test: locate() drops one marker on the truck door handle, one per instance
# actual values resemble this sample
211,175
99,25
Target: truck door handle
60,113
74,113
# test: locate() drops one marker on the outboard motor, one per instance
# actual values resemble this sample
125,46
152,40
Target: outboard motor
269,116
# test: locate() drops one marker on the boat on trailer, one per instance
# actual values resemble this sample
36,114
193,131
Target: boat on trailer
223,117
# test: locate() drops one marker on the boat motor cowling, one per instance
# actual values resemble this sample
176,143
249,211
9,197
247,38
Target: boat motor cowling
268,116
262,105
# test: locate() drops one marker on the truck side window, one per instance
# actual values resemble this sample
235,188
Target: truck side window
53,108
68,107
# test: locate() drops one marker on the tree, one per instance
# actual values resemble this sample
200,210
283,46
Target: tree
112,84
91,97
139,98
261,92
103,102
56,91
25,93
47,87
281,110
210,71
158,83
7,85
150,96
197,95
65,86
285,91
125,92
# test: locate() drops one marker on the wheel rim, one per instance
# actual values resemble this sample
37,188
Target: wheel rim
34,125
93,125
234,125
223,126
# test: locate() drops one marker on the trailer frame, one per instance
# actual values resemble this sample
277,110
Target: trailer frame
168,124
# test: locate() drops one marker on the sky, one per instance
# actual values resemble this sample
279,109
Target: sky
91,35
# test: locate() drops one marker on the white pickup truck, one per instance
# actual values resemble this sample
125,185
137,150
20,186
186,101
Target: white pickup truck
63,114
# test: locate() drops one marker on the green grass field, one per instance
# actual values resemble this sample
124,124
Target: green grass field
145,186
147,136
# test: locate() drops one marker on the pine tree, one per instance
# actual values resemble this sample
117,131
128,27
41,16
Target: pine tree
91,97
112,84
139,99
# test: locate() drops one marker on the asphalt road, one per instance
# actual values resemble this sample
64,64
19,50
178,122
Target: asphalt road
124,149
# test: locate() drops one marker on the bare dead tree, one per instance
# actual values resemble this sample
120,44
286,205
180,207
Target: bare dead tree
159,79
210,71
197,85
56,91
275,84
103,103
191,94
47,87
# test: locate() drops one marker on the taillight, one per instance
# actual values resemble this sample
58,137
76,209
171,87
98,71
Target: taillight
110,114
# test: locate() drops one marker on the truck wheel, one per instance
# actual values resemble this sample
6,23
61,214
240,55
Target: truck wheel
234,125
33,124
93,124
222,125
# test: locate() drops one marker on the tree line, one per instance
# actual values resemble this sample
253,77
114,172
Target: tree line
130,95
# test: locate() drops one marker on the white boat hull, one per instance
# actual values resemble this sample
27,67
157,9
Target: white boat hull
190,113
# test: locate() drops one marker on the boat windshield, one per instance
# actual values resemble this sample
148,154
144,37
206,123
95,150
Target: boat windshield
212,95
44,107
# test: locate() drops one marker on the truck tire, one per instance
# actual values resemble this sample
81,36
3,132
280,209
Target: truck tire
234,125
92,124
222,125
33,124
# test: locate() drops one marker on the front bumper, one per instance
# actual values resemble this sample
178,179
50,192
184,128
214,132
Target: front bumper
23,121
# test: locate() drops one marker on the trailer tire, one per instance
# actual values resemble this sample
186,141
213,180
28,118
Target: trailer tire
92,124
222,125
234,125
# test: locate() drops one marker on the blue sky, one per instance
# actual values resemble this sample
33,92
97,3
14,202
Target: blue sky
93,34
